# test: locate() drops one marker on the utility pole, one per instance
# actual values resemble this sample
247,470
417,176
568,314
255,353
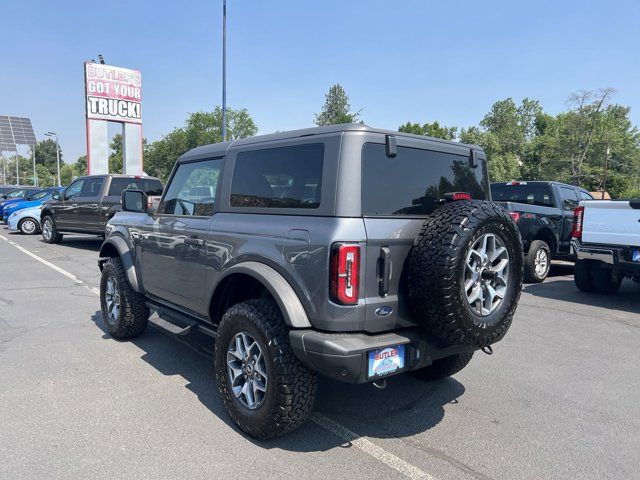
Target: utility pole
33,157
606,167
17,169
224,70
53,134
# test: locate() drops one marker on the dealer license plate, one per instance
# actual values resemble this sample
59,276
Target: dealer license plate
635,255
385,361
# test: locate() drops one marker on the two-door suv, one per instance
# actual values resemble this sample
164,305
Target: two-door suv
345,250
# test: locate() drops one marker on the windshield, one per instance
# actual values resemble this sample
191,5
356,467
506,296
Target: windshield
528,193
39,195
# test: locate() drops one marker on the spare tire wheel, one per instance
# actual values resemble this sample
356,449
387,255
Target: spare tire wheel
465,273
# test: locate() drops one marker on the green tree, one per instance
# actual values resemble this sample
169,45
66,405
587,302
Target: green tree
336,108
46,154
430,130
67,174
80,167
200,128
116,154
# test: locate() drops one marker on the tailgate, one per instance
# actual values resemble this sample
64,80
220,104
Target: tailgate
611,222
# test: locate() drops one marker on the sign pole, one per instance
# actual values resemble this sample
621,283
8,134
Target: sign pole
17,169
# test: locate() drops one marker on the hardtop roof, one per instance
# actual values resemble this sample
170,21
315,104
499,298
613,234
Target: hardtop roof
220,149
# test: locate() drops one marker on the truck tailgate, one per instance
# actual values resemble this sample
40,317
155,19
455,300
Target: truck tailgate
611,222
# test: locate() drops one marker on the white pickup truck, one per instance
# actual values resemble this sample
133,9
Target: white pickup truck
606,241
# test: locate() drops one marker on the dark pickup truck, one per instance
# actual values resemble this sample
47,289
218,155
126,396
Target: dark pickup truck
544,214
88,203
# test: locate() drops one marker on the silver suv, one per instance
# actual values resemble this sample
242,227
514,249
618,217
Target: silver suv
347,251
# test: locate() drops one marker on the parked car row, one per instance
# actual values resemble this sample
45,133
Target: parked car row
84,206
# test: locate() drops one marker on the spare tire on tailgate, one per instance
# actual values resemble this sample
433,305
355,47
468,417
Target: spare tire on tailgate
465,273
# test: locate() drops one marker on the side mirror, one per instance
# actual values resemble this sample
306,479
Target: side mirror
56,195
134,201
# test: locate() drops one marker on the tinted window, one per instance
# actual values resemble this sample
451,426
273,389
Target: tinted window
150,186
74,189
92,187
569,198
286,177
192,190
584,196
39,195
529,193
16,194
413,182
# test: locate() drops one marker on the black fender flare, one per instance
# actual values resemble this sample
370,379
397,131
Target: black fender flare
292,310
124,252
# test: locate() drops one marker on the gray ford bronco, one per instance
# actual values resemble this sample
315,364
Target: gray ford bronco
345,251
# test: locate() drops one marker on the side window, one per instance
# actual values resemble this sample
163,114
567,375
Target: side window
74,189
584,196
283,177
192,190
92,187
569,198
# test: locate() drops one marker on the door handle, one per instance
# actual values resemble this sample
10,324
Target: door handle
384,271
194,242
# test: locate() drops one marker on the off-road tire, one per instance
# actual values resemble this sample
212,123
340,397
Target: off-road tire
582,275
530,275
134,314
21,223
445,367
56,237
291,386
436,268
605,280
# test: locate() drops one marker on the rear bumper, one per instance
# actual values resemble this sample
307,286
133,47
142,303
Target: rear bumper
344,356
616,256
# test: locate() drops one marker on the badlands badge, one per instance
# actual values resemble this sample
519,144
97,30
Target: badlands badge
385,361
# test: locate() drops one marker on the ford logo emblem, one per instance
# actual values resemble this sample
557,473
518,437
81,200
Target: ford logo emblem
384,311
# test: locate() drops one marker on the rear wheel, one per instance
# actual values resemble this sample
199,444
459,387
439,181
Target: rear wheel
445,367
537,262
265,388
605,280
50,233
28,226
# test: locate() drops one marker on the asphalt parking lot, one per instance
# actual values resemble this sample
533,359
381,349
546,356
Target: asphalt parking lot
558,399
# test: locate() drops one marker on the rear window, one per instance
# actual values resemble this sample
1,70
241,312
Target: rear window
150,186
530,193
283,177
413,182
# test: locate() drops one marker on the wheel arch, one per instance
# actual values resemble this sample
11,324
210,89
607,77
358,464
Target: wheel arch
546,235
248,276
115,247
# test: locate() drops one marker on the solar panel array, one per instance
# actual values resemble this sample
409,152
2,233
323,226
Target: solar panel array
15,131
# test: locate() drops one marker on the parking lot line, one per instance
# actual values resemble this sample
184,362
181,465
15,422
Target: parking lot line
61,271
362,443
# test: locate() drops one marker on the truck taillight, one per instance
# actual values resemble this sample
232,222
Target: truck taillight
578,218
345,273
515,216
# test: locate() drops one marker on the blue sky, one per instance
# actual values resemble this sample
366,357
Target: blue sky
398,60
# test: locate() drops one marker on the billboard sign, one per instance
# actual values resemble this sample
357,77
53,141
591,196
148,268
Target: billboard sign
113,93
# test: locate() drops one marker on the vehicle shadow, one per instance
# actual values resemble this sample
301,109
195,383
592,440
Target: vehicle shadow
558,288
406,407
82,242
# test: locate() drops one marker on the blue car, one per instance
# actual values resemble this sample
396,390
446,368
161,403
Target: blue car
15,195
33,199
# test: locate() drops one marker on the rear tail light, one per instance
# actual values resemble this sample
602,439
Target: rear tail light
515,216
345,273
578,218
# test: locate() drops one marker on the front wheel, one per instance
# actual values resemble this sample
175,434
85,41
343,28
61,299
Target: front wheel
265,388
123,310
50,233
28,226
537,262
